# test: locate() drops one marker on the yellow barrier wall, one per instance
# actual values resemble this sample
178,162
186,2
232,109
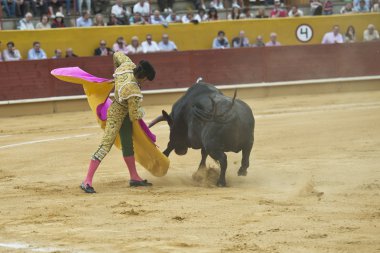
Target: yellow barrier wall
187,36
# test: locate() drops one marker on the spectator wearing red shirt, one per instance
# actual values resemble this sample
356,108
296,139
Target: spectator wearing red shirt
277,12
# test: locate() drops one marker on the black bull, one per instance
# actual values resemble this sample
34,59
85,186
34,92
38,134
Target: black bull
203,118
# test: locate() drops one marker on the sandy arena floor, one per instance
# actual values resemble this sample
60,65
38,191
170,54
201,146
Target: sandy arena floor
313,186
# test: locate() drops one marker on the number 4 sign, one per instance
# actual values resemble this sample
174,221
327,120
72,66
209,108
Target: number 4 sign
304,33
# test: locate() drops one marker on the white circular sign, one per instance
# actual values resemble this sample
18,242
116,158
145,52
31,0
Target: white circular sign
304,33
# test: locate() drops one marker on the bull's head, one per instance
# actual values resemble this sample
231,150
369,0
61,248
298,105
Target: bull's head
177,137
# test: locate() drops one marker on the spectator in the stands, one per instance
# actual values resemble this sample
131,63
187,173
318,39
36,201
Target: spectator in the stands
259,42
11,53
212,14
201,16
39,7
55,6
217,4
376,6
84,20
165,5
167,45
114,21
57,54
349,36
188,17
70,53
149,46
247,14
120,45
103,50
361,7
157,18
120,12
273,41
316,7
58,21
44,23
22,8
220,42
99,20
143,7
88,5
99,6
234,14
261,13
27,22
173,18
333,37
347,9
137,19
36,53
328,7
277,11
370,34
134,47
9,7
356,3
295,12
240,41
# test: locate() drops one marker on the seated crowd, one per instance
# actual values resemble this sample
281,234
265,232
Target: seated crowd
11,53
52,12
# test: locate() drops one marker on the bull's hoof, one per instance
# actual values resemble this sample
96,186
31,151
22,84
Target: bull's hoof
242,172
221,184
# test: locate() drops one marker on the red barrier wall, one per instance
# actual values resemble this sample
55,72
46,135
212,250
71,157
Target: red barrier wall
32,79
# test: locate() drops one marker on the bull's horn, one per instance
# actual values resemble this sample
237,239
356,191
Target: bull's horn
156,120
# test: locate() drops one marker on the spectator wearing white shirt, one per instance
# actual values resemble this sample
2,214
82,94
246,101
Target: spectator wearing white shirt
134,47
273,41
157,18
143,7
36,53
167,45
188,17
217,4
84,20
149,46
295,12
26,23
120,13
201,16
370,34
11,53
333,37
173,18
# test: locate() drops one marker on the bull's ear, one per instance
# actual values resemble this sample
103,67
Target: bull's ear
167,117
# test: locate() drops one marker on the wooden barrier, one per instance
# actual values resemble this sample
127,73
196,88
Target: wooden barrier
32,79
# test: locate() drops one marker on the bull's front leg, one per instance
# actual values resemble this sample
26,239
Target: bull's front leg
222,159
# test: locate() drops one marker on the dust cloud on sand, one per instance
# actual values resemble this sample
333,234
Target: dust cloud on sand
313,185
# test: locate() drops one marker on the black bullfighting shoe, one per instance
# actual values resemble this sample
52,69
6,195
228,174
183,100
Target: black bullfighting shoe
136,183
87,188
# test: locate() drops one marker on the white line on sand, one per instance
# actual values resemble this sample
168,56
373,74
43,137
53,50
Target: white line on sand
23,246
5,136
44,140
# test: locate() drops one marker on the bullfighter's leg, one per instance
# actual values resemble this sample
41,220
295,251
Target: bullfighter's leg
222,159
245,160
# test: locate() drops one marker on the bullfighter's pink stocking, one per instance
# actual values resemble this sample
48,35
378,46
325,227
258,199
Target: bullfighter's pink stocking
131,164
94,164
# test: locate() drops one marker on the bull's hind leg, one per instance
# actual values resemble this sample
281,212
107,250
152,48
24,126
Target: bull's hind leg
245,160
222,159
